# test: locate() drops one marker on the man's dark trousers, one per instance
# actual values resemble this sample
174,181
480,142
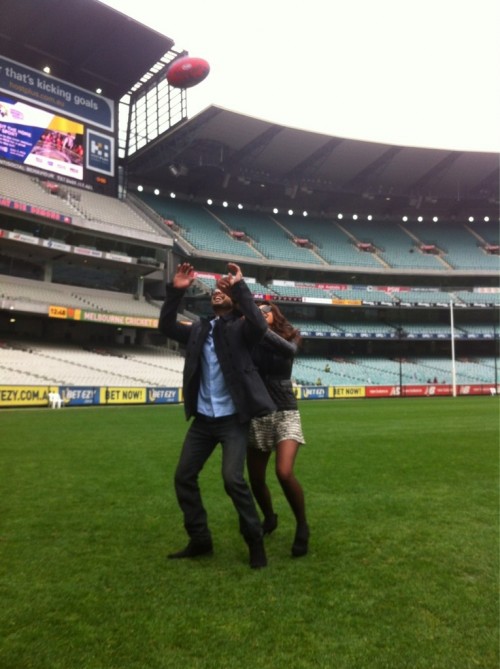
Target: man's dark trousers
201,439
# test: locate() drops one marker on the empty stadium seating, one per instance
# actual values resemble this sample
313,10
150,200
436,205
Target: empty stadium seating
331,242
85,208
96,207
375,370
200,228
38,362
266,240
29,190
46,293
461,249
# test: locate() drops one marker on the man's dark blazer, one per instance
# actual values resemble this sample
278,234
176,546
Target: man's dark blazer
234,338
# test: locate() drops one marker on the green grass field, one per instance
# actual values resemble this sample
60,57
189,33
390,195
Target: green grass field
403,502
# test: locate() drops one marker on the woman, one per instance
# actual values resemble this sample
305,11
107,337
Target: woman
280,431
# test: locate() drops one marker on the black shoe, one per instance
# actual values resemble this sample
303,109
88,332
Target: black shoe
258,557
270,523
300,544
193,549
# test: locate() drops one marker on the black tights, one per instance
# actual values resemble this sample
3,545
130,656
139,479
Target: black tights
257,461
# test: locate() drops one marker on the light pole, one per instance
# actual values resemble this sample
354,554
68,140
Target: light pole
453,368
400,349
495,355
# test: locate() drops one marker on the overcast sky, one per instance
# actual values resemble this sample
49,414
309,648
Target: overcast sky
415,73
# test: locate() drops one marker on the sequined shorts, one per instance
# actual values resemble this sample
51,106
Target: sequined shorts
267,431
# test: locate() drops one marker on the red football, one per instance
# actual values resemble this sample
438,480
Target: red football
187,71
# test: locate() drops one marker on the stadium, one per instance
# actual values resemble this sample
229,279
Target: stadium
388,269
367,245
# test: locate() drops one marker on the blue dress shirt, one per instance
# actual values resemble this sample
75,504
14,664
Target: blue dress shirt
214,399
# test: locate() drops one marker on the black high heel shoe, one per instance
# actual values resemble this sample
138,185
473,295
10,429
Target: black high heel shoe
300,544
270,523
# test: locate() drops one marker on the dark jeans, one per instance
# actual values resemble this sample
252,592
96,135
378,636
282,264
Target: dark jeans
201,439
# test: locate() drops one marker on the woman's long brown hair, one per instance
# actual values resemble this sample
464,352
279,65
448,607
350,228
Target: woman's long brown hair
281,325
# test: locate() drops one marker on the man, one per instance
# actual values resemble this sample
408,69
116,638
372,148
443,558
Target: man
222,392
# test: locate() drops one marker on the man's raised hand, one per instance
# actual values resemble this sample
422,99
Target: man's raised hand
184,276
224,283
234,273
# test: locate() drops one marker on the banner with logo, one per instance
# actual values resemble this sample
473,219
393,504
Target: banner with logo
163,395
314,392
27,396
382,391
347,391
51,93
79,396
122,395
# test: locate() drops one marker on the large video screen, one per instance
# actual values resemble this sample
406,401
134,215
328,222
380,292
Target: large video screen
40,138
53,129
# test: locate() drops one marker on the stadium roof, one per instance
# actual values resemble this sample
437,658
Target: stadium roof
229,156
84,41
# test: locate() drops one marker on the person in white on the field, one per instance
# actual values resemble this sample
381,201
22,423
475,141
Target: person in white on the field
55,400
